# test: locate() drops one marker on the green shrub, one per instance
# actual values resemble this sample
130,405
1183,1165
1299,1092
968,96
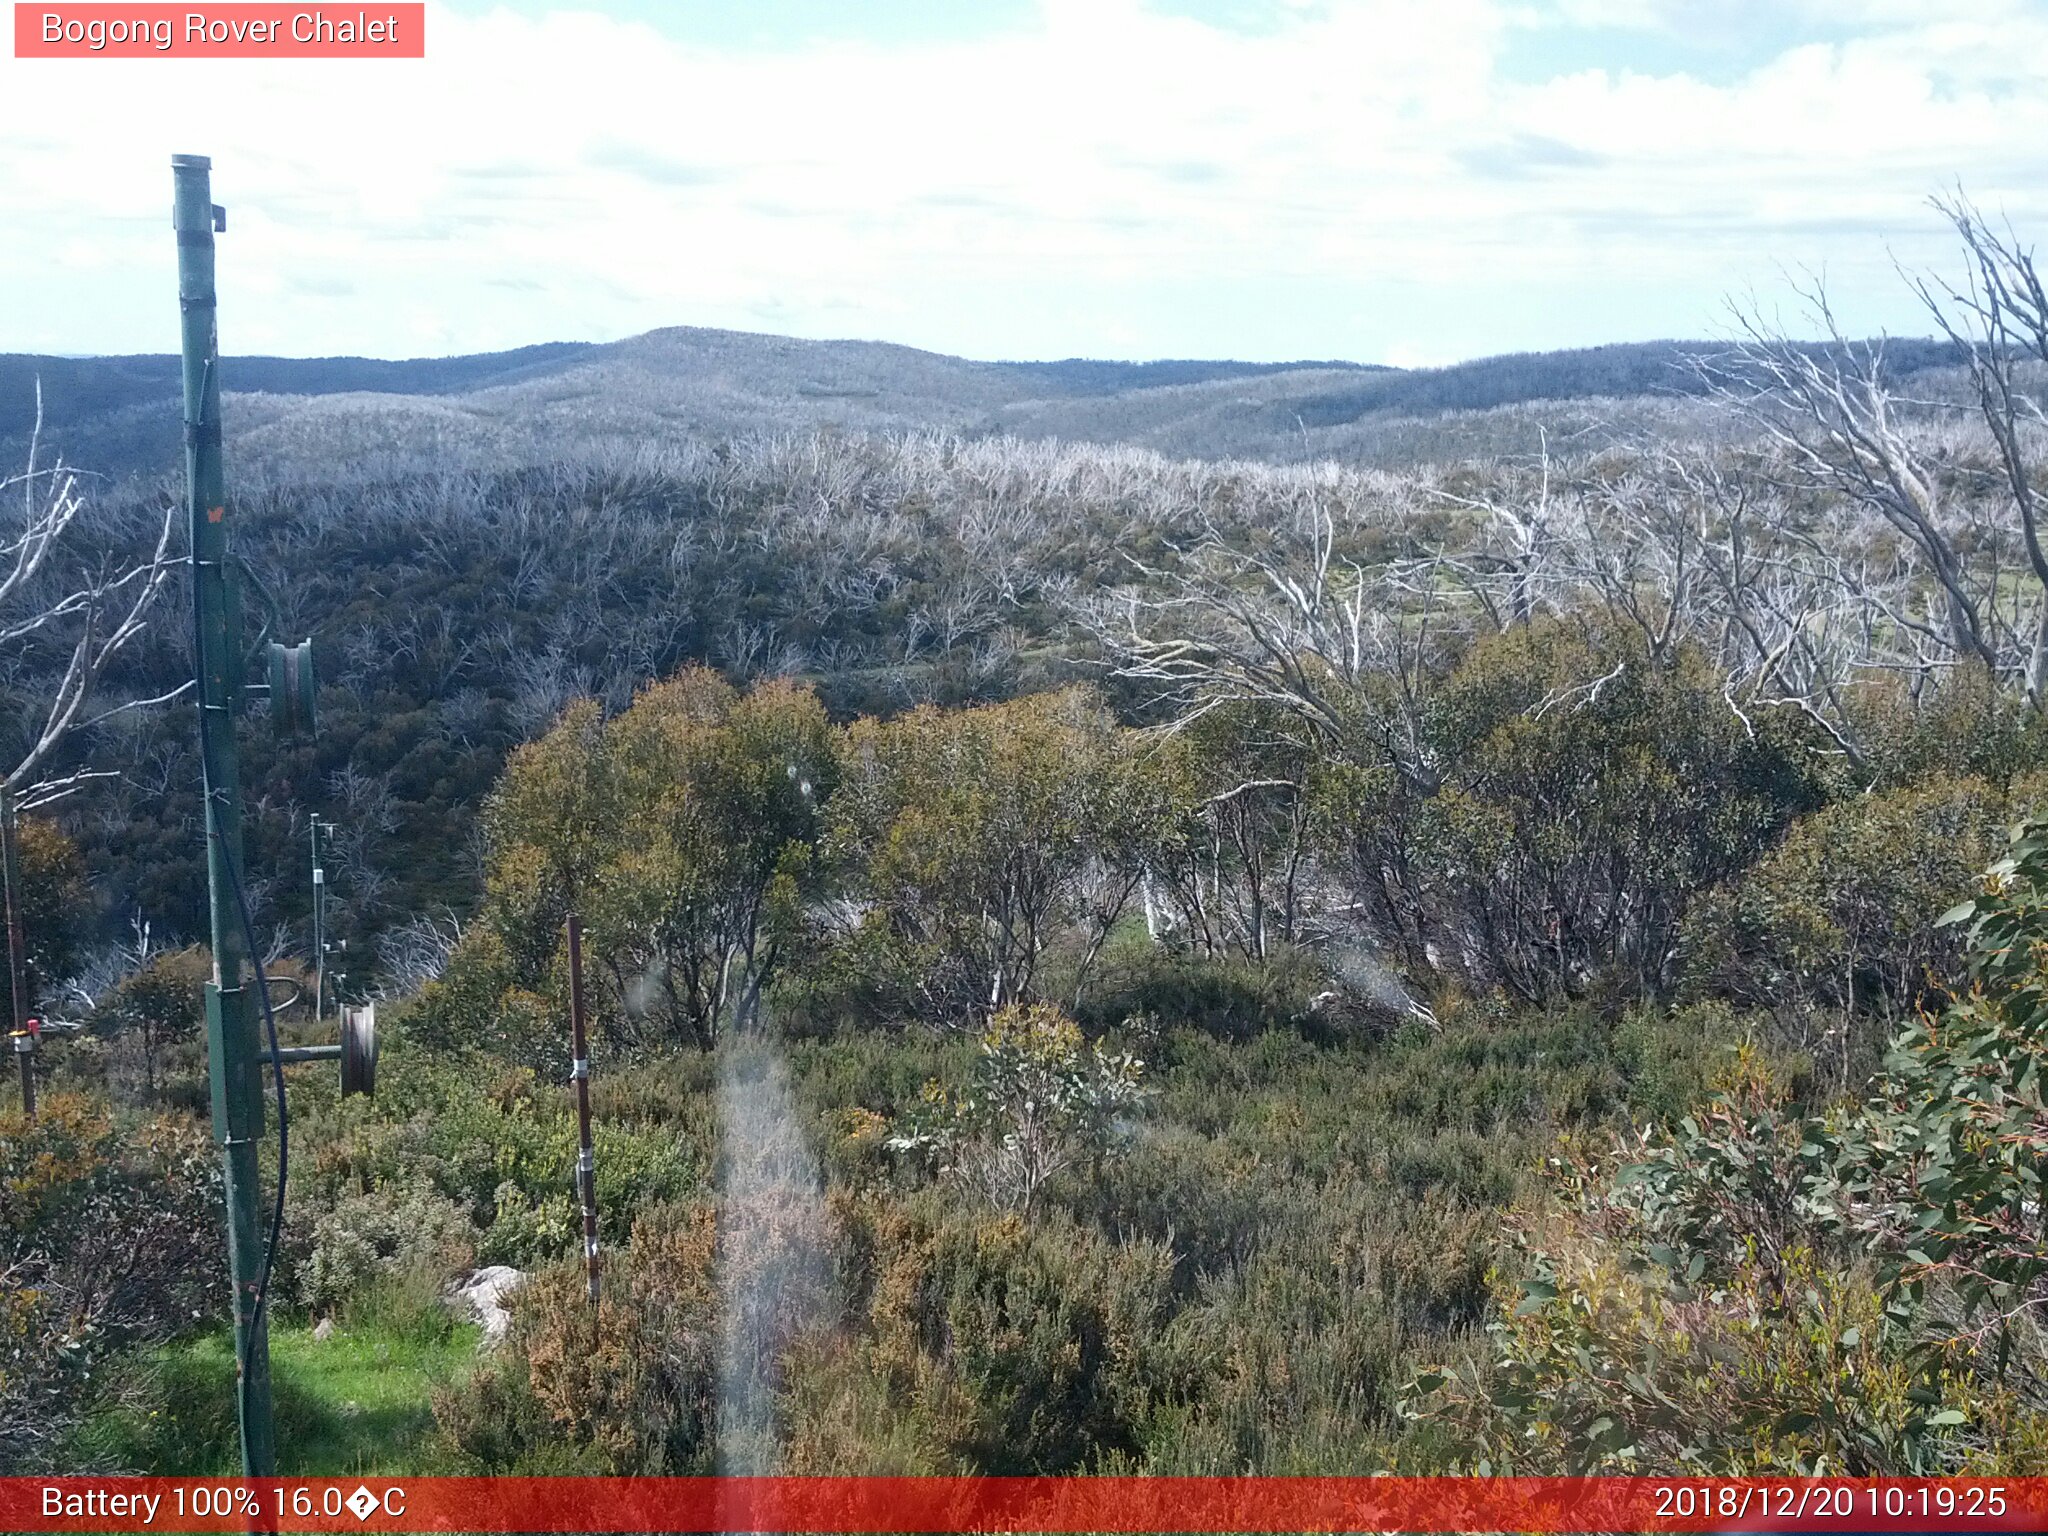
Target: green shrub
1763,1289
406,1304
498,1143
1010,1348
1230,996
638,1167
629,1390
525,1231
394,1230
979,836
1039,1103
110,1237
865,976
1579,790
1965,725
1956,1138
1290,1360
157,1009
680,830
1841,914
57,903
1213,1202
483,1001
1671,1056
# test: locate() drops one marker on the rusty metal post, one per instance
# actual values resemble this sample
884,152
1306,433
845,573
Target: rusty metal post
579,1074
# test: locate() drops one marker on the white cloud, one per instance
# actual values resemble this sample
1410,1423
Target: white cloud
1026,193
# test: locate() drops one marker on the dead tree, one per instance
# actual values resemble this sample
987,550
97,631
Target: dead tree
1840,427
1338,648
64,617
69,612
1997,316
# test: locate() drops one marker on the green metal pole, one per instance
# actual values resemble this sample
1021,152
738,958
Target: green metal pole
233,1048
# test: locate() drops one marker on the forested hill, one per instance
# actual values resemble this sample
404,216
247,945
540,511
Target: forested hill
78,389
118,415
473,542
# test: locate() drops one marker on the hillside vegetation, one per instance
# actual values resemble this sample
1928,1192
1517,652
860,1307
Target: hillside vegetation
1507,956
289,416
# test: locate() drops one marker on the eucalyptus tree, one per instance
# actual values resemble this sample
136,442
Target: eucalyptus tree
680,831
974,838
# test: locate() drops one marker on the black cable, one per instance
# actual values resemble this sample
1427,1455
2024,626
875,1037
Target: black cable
273,616
283,1116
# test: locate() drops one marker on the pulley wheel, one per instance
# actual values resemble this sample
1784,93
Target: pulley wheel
292,688
359,1050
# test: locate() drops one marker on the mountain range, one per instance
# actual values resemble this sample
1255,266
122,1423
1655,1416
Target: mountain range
119,415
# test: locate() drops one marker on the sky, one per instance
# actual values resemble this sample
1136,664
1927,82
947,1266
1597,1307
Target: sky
1397,181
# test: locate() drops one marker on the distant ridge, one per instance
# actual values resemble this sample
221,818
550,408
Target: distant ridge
119,415
77,387
1092,376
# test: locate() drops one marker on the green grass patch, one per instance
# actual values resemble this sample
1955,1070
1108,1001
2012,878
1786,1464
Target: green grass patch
358,1401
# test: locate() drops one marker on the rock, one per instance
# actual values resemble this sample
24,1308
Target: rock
483,1293
323,1330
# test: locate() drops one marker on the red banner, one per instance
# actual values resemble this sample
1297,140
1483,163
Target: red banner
1050,1504
235,31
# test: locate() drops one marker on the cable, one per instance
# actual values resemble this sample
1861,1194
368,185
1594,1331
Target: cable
283,1117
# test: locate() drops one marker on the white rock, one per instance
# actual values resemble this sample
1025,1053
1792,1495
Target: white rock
483,1293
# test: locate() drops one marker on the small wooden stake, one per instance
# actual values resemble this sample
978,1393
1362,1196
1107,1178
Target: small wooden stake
579,1075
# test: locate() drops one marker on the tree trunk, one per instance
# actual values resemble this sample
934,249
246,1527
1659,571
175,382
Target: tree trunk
17,949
